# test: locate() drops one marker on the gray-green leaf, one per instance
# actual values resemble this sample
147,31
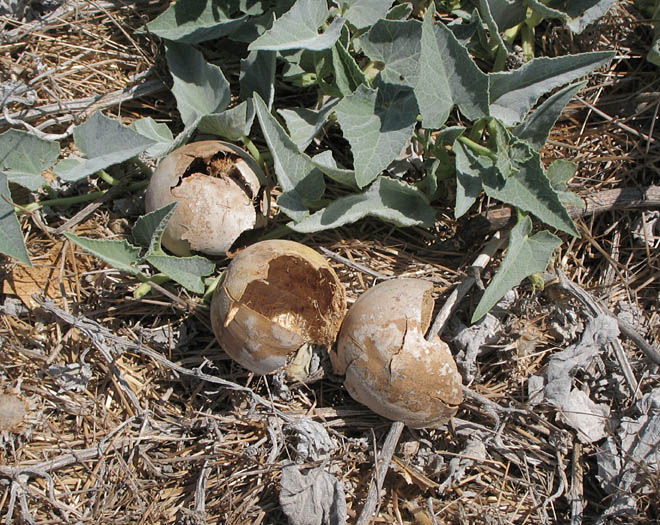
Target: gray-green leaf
364,13
524,257
378,125
233,124
149,228
301,181
529,189
387,199
121,255
397,45
159,132
537,125
104,141
187,271
577,14
258,75
194,21
348,76
304,124
298,29
23,157
200,88
559,173
326,163
448,77
11,236
514,93
469,168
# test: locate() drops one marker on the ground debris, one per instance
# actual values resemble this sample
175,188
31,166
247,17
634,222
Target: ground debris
313,443
624,460
471,341
72,377
313,497
555,386
12,412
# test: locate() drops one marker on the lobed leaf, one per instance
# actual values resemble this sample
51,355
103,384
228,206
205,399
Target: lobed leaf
469,169
159,132
23,157
496,42
397,44
11,236
187,271
233,124
535,128
448,77
105,142
258,76
387,199
301,181
378,124
297,29
200,88
149,228
304,124
577,14
525,256
559,173
529,190
121,255
194,21
348,76
326,163
365,13
514,93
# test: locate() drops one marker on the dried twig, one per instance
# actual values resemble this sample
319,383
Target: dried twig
598,309
595,203
576,497
373,497
356,266
459,292
86,105
114,346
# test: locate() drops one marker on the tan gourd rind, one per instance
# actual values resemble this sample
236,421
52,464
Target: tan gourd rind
274,297
212,211
389,365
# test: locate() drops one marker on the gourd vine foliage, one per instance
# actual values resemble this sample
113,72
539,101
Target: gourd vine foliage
387,76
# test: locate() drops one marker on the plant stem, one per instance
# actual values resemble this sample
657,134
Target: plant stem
254,151
527,37
65,202
208,294
145,287
478,148
105,176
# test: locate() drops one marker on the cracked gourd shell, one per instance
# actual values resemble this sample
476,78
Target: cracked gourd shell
276,296
389,366
217,187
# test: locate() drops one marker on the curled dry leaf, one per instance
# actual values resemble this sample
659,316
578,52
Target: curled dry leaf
217,186
389,365
276,297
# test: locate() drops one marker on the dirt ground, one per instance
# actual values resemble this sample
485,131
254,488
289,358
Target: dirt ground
126,410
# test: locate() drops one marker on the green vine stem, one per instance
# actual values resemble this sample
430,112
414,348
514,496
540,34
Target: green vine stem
105,176
65,202
478,148
208,294
145,287
254,151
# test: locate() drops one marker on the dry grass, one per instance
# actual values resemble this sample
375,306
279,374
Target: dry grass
147,436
